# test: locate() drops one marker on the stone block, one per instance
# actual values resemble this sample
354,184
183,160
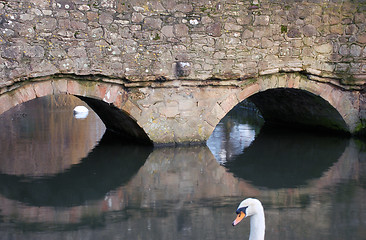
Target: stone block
169,111
342,67
219,55
229,103
324,48
355,50
13,52
344,50
293,32
84,7
261,20
248,91
77,52
182,69
244,20
269,71
24,94
185,8
64,23
59,86
214,29
217,113
137,17
232,27
46,24
266,43
206,20
309,30
351,29
6,103
92,16
337,29
78,25
180,30
74,88
260,32
361,38
152,23
133,110
66,65
26,17
167,31
105,18
360,17
187,105
97,33
253,42
247,34
43,88
42,68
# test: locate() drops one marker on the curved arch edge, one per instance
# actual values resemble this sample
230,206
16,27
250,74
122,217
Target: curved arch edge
343,101
112,96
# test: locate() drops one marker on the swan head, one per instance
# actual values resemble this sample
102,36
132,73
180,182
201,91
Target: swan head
247,208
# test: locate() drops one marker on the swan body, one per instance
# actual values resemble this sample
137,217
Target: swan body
252,208
80,112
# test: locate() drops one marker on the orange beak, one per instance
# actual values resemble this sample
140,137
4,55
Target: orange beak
239,217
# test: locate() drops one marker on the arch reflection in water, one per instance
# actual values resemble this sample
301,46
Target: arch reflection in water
183,193
268,156
235,132
109,165
279,158
40,137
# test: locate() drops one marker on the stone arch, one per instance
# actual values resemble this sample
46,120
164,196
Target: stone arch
341,102
110,101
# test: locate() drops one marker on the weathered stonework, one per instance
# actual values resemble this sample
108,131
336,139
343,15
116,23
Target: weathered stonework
162,50
136,39
189,112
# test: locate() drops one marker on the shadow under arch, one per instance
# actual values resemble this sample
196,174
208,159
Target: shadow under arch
292,107
118,121
279,158
109,165
108,100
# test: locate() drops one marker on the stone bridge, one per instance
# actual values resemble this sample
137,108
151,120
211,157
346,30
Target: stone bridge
167,71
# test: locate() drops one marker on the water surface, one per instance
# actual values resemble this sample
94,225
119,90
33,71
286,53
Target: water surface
63,178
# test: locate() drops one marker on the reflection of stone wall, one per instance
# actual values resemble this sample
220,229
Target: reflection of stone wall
164,52
183,193
172,177
170,39
41,137
191,172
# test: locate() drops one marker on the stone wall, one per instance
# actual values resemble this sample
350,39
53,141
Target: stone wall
189,113
175,39
176,67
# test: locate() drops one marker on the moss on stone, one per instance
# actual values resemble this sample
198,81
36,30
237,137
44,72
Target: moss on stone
361,127
87,84
248,81
283,29
76,34
157,37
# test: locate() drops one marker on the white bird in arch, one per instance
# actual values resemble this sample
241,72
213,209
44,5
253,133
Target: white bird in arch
81,112
252,208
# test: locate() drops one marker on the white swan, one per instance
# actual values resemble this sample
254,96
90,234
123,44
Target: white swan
80,112
253,208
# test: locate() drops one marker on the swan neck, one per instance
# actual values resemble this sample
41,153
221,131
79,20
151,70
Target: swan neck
257,226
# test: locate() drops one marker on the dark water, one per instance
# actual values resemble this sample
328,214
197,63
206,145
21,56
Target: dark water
63,178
